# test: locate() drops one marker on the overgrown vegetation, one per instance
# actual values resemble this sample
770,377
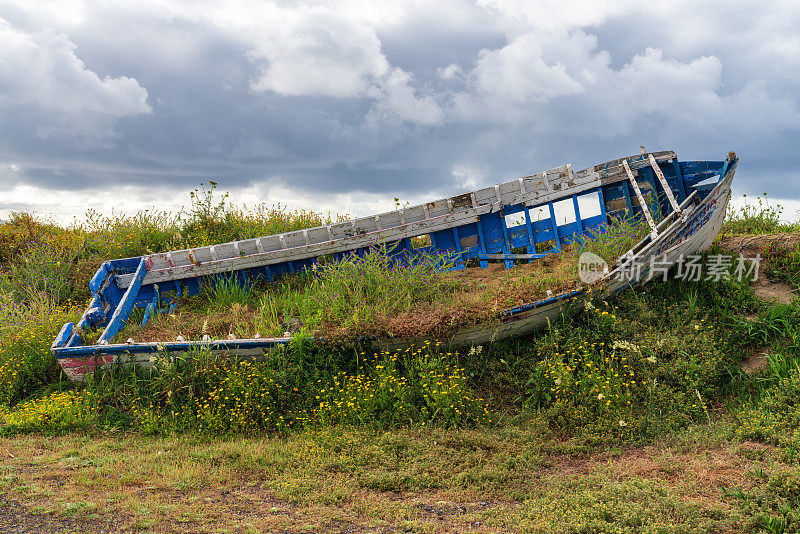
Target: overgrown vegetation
378,294
759,217
657,369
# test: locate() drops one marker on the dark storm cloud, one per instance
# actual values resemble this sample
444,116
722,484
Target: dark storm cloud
162,97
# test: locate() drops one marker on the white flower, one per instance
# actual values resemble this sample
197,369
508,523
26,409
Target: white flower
622,422
625,345
558,381
601,396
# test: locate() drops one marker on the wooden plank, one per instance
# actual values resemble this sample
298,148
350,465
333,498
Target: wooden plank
529,228
506,241
577,208
664,184
482,243
509,257
676,168
568,183
626,191
457,239
561,182
63,335
652,182
639,195
125,306
444,222
602,204
557,239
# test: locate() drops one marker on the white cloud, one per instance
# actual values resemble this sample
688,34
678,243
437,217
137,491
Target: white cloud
450,72
332,90
397,97
41,69
68,207
468,176
555,15
518,72
313,52
562,83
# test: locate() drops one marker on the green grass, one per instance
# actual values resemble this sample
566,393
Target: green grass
631,414
373,295
617,237
759,217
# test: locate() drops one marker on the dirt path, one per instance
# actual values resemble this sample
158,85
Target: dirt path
18,519
750,245
81,483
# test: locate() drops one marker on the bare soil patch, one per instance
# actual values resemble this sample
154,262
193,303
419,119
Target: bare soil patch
699,473
756,361
19,519
774,291
750,245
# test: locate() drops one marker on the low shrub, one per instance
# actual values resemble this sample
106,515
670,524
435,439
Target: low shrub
299,386
759,217
56,412
412,386
26,333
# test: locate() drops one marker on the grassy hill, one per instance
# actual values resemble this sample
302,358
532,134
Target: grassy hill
673,408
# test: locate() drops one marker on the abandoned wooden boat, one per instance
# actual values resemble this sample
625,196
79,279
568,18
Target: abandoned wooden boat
484,225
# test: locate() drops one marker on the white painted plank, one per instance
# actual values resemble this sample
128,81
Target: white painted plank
538,189
642,202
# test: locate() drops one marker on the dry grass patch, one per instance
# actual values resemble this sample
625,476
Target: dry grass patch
469,296
428,480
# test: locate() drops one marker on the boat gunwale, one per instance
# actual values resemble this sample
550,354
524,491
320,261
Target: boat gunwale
642,248
606,173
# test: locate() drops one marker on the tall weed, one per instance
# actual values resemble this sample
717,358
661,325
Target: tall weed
755,218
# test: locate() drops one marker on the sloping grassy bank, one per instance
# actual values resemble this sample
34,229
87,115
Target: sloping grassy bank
629,415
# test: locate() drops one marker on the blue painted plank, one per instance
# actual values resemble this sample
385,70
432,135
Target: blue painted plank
63,336
99,277
509,264
460,260
148,310
125,306
138,348
626,190
529,229
556,237
482,244
577,208
600,195
676,168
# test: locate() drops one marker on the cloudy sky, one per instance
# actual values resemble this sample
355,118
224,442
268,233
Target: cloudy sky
342,106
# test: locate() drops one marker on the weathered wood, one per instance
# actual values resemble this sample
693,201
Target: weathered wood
642,202
671,238
125,306
664,184
511,256
530,191
409,230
